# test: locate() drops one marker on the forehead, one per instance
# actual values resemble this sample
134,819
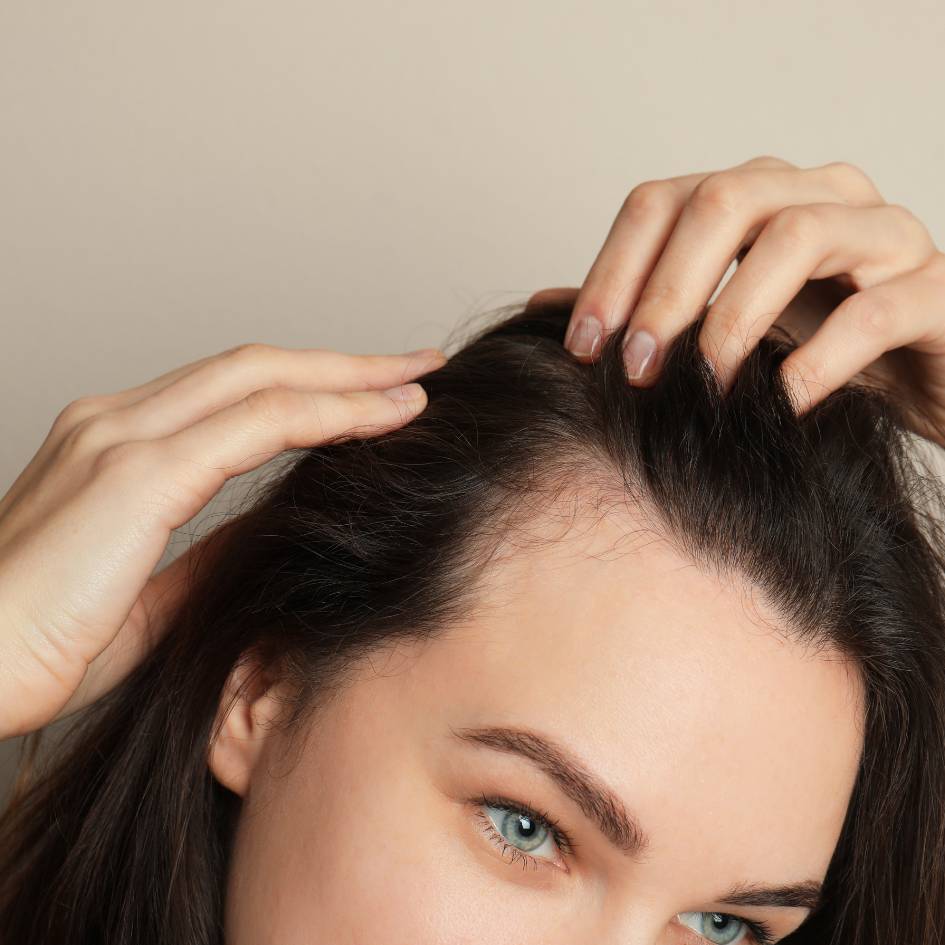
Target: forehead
679,688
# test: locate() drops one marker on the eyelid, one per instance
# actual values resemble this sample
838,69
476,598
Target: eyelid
561,838
759,932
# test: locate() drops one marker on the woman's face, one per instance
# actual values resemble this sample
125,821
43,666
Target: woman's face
697,763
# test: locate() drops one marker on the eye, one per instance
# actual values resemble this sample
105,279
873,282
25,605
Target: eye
534,837
523,832
718,928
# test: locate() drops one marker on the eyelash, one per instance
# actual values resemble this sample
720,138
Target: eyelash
558,833
760,931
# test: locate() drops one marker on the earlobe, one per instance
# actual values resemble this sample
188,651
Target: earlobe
247,709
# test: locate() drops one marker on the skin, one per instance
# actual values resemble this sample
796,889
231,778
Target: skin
78,613
673,240
734,748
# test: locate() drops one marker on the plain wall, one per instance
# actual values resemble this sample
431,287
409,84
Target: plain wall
180,177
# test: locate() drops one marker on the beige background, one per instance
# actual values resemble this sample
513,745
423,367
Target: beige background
179,177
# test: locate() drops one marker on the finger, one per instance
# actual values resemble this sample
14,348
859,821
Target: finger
151,487
267,363
711,228
77,412
218,444
629,254
799,243
626,259
186,394
228,380
190,466
906,310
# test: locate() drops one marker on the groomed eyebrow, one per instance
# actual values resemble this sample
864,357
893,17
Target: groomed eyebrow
601,805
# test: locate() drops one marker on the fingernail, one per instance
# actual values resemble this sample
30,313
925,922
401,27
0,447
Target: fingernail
585,339
638,352
405,392
425,360
431,352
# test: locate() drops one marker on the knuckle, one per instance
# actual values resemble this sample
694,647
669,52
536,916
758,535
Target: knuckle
351,403
272,405
935,267
129,458
248,351
851,179
718,193
76,412
901,214
245,365
767,160
353,407
872,314
347,402
666,295
651,196
797,223
721,322
91,435
810,374
844,169
913,228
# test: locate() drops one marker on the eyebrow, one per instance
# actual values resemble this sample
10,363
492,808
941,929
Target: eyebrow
600,804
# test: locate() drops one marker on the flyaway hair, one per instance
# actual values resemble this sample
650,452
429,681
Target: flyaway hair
123,836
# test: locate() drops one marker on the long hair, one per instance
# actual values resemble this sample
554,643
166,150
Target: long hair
124,835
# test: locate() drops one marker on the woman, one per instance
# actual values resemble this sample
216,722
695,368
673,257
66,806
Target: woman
533,656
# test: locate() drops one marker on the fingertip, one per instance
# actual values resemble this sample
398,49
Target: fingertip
407,393
424,361
639,355
584,336
408,400
434,353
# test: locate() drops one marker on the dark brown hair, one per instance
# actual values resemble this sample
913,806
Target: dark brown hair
123,837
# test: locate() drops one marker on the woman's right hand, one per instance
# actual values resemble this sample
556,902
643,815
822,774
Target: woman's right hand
86,523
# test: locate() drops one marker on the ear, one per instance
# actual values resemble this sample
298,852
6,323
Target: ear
247,708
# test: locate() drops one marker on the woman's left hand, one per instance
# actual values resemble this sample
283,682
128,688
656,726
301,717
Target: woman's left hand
674,239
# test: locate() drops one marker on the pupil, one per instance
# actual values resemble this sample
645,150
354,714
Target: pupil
526,826
719,921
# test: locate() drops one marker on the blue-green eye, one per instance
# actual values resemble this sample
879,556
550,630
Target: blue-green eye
523,830
716,927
